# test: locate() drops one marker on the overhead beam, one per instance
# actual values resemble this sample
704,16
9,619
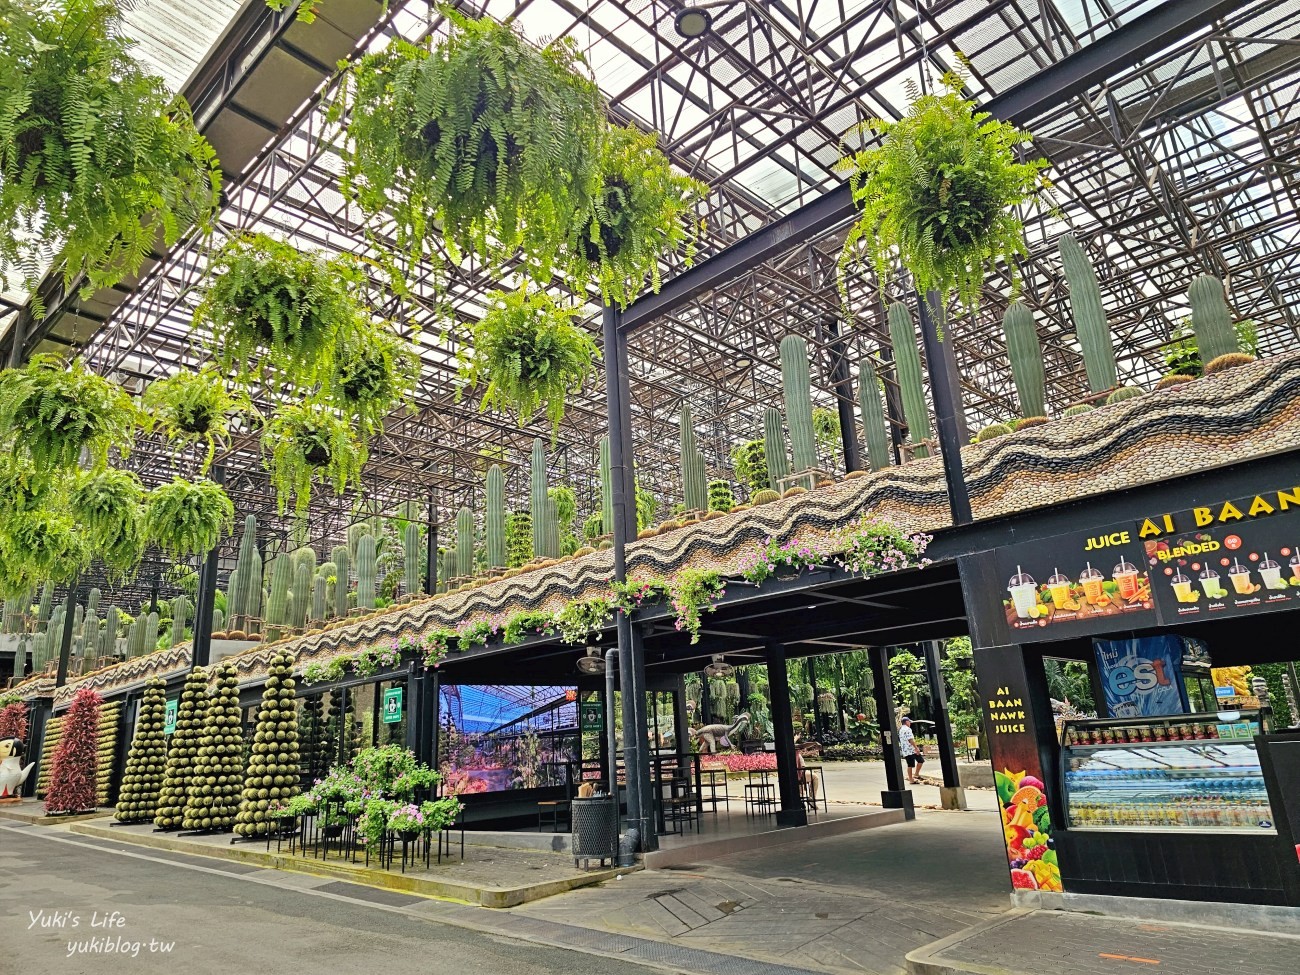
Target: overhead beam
1121,49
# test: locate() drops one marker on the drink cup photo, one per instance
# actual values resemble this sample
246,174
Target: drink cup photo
1295,568
1182,588
1058,586
1092,581
1126,577
1271,573
1024,595
1209,580
1239,575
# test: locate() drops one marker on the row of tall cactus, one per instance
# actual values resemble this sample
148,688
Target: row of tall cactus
694,478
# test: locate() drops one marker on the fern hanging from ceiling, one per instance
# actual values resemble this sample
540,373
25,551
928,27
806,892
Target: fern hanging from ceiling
643,210
529,354
374,371
107,505
308,443
937,193
194,409
481,140
97,158
185,518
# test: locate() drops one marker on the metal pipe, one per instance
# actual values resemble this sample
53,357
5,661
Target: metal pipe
611,739
431,549
65,641
945,387
207,595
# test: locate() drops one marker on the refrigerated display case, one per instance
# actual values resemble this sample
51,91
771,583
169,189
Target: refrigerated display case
1179,773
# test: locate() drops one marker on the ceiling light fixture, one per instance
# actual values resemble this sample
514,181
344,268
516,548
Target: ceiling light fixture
592,662
718,668
693,22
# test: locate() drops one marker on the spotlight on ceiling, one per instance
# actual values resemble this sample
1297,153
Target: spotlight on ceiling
692,22
592,662
719,667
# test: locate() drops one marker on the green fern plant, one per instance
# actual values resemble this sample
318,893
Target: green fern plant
749,461
187,518
307,443
643,210
826,431
481,139
22,488
53,410
529,354
938,192
374,370
277,312
194,408
97,158
108,505
39,546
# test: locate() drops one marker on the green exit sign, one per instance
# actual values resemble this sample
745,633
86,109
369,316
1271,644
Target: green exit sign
392,705
169,718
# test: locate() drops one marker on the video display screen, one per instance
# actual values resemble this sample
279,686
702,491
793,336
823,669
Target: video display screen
497,737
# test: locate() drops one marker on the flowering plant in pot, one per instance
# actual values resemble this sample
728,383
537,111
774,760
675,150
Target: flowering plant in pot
309,442
939,192
529,353
479,138
97,157
194,409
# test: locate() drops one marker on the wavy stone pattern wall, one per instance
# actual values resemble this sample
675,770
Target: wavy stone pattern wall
1248,412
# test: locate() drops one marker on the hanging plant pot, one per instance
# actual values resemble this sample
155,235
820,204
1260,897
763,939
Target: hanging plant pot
482,139
186,518
939,191
194,409
307,443
374,371
316,454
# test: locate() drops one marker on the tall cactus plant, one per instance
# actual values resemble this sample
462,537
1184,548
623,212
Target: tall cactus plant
1026,355
539,494
778,461
606,490
151,633
90,630
1211,321
695,488
112,621
411,558
327,573
180,616
277,607
797,389
1089,316
92,601
464,542
355,534
874,426
366,572
135,638
494,518
246,580
45,605
302,593
907,362
317,600
339,556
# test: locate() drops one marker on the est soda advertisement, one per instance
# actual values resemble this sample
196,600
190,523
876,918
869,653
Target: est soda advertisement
1229,559
1142,677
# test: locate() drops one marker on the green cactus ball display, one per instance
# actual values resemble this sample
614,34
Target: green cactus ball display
992,432
146,764
274,761
212,798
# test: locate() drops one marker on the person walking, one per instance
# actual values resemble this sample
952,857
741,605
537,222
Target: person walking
911,752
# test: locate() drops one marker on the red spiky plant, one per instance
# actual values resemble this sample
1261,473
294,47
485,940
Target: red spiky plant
13,721
73,768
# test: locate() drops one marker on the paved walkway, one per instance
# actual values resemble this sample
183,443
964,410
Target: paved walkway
1059,943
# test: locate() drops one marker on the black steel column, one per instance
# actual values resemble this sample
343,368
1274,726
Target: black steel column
65,642
18,336
843,383
207,595
631,670
681,734
897,795
706,700
945,387
792,811
942,723
41,711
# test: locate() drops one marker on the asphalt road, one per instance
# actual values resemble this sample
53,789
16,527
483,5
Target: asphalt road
142,911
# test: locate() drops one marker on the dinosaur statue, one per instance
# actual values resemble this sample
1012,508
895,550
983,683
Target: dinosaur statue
711,734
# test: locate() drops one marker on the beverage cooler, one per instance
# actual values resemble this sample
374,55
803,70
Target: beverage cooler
1179,807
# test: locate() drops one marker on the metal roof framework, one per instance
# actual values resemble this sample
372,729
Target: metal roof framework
1186,162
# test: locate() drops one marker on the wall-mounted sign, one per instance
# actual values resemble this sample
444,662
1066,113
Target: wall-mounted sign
1231,559
1075,585
393,705
169,718
592,715
1142,677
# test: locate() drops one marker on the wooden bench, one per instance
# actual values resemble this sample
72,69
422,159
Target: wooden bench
554,808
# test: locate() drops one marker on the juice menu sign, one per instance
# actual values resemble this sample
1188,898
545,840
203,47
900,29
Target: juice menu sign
1226,559
1076,584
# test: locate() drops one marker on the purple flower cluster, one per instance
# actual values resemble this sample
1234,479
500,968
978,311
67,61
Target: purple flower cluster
876,546
773,558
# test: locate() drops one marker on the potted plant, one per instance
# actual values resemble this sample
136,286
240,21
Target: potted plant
108,506
529,353
643,210
478,137
374,370
192,408
408,822
39,546
22,488
53,410
309,442
187,518
275,311
938,191
97,158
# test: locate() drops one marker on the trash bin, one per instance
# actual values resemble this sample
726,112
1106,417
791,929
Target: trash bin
595,830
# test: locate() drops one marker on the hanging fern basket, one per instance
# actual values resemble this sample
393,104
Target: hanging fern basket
186,518
308,443
938,191
108,506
